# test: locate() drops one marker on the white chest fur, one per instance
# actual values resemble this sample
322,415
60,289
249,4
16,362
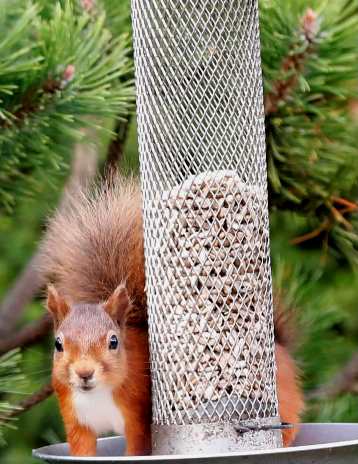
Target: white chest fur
97,410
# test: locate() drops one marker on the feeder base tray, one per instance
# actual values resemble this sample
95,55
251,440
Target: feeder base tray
316,443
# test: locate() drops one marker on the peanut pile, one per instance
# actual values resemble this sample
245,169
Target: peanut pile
216,293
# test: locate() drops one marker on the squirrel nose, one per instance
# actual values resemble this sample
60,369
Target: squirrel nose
85,375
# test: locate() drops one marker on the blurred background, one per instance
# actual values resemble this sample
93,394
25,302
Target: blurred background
67,114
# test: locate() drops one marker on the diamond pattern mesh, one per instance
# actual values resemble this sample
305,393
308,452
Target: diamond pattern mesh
203,170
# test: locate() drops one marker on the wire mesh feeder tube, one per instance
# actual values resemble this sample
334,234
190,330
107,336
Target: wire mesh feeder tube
203,171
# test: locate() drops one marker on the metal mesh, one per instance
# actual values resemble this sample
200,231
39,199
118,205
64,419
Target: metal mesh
203,170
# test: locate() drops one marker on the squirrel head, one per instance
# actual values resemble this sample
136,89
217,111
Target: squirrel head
89,341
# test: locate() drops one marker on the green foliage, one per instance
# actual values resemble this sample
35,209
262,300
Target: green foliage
56,70
118,15
323,298
311,145
311,136
10,378
41,425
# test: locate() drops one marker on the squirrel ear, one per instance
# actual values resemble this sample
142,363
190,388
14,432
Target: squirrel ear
56,305
118,303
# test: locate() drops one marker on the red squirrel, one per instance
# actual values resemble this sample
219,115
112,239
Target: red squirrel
94,256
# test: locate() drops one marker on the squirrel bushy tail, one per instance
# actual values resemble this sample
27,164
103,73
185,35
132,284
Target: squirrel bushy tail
96,243
285,323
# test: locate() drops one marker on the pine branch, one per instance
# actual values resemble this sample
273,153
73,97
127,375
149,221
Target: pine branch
30,281
28,403
310,75
339,208
10,375
293,64
27,336
33,99
79,68
20,294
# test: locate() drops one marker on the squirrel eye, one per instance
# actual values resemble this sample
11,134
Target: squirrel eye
113,342
58,344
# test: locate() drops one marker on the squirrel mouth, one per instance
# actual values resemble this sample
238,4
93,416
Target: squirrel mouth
86,388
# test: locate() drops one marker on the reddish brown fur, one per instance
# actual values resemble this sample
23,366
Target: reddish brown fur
97,243
81,439
133,396
290,397
289,391
92,247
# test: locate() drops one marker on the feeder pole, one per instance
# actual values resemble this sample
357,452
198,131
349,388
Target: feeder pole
204,182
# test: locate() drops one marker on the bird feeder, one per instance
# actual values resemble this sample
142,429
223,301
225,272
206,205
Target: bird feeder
203,172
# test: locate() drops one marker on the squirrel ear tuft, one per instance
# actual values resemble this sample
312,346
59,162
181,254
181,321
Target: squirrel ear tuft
56,305
118,303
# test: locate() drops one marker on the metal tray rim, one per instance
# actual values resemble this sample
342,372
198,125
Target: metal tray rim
294,449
